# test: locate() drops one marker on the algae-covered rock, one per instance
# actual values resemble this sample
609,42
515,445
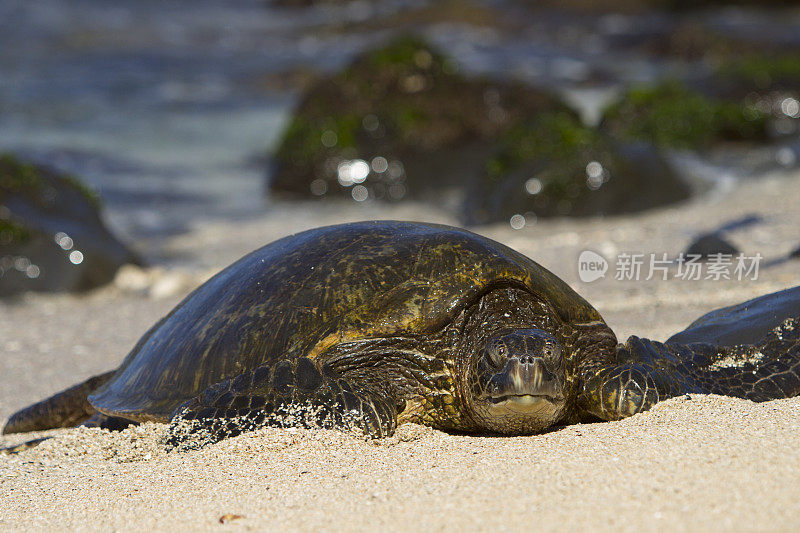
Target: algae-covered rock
399,121
555,165
761,72
670,114
51,234
767,81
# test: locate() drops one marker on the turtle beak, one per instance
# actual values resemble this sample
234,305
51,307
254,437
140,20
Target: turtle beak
524,381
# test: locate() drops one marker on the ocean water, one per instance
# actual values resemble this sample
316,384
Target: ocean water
170,109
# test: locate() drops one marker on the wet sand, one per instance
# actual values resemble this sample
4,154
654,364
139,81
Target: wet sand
689,464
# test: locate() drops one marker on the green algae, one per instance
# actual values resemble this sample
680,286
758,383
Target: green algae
670,114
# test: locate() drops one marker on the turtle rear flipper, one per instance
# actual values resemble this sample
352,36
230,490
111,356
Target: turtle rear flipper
97,420
67,408
287,395
23,446
647,372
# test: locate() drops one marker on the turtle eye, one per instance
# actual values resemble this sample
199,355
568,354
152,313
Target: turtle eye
551,351
498,353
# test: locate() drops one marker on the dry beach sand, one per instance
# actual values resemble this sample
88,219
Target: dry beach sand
689,464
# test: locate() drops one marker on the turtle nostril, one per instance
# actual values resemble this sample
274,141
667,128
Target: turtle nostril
530,360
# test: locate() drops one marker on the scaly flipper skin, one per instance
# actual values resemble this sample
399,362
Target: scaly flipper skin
298,394
645,372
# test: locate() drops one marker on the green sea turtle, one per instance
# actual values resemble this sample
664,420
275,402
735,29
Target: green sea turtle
374,324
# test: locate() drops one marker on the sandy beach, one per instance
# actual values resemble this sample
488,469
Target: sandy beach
690,464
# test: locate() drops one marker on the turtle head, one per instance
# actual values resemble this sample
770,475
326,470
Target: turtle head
516,382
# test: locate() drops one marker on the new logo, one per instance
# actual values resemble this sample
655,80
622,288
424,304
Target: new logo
591,266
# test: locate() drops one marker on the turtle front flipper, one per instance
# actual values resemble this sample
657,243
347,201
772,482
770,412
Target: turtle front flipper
288,394
645,372
642,374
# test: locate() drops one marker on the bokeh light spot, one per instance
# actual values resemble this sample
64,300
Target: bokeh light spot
329,138
63,240
790,107
380,164
786,156
353,171
595,175
359,193
319,187
397,191
370,122
396,170
594,170
32,271
22,263
533,186
423,59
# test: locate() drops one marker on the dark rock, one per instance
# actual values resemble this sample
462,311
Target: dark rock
300,3
414,15
615,6
400,121
51,234
710,244
690,5
795,253
554,165
672,115
693,40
